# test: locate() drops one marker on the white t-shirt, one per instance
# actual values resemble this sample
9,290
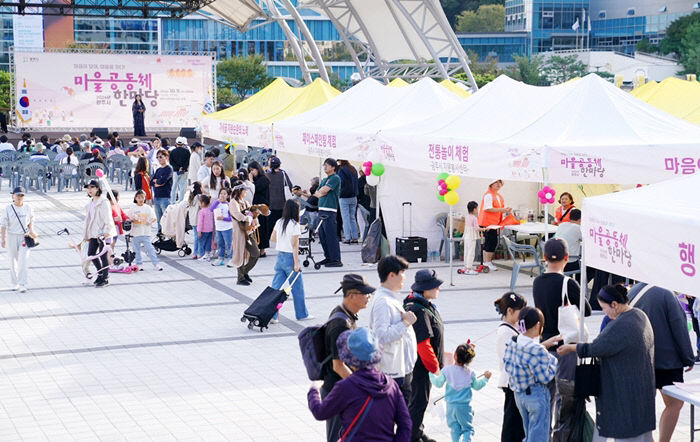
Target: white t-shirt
223,211
9,220
571,233
6,146
142,214
284,239
203,173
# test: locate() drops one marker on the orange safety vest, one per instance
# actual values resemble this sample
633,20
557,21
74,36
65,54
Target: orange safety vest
566,218
491,218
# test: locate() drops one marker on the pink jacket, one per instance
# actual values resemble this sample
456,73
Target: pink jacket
205,221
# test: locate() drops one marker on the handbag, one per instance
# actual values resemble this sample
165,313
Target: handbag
569,317
287,187
29,240
587,378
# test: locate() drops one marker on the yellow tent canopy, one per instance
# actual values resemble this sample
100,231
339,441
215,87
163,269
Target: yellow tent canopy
679,98
452,87
276,101
398,82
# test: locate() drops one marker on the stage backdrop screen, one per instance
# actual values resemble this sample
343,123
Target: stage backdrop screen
70,90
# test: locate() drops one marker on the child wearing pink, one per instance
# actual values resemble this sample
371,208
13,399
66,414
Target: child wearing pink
471,235
205,228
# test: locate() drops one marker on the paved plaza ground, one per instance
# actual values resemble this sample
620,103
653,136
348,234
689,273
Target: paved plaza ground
163,355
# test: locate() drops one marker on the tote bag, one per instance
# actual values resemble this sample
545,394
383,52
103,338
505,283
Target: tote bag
569,317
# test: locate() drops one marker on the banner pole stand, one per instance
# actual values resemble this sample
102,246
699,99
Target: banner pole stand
451,244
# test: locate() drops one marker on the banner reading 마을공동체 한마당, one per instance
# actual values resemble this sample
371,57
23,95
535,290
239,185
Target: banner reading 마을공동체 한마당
65,90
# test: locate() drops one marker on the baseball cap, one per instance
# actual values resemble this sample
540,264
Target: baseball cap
19,190
555,249
353,281
93,183
275,162
181,140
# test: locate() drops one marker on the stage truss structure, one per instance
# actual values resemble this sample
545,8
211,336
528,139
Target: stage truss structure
12,123
105,8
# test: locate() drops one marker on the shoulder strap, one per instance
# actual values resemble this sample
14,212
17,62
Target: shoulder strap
565,291
640,294
425,309
565,213
287,181
338,315
12,206
505,324
355,424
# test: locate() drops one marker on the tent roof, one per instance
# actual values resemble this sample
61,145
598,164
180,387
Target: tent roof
452,87
370,106
276,101
398,82
679,98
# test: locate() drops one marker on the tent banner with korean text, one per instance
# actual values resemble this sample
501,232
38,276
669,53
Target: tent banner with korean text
60,90
648,234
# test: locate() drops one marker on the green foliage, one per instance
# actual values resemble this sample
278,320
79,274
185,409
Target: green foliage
243,75
225,96
453,8
690,49
605,74
481,79
4,90
558,69
488,66
672,43
645,46
529,69
338,82
488,18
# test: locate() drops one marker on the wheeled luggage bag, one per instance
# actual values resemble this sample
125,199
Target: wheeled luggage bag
267,304
411,248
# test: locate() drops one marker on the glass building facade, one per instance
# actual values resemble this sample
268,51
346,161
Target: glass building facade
498,45
118,34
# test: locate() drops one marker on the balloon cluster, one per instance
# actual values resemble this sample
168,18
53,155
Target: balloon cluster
373,170
446,188
546,195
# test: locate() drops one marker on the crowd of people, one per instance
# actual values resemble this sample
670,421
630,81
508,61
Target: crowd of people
391,366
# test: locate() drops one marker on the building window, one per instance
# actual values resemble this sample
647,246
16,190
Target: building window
662,9
630,11
696,5
602,14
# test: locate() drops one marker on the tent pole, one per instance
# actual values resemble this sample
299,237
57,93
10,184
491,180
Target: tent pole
545,174
584,291
451,244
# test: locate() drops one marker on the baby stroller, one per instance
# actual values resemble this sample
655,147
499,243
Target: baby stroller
305,240
125,263
171,238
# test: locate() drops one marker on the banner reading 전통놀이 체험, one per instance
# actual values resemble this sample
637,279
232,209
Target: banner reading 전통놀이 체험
63,90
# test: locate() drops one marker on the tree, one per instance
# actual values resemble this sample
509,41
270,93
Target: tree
242,74
690,49
481,79
675,32
558,69
225,96
488,18
451,9
4,90
646,46
529,69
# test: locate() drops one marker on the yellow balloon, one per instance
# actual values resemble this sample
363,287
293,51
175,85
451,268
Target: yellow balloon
453,182
451,198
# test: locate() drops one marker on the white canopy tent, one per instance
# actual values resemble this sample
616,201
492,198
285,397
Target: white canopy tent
648,234
585,131
345,127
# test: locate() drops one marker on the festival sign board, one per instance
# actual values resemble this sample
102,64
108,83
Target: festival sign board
648,234
59,90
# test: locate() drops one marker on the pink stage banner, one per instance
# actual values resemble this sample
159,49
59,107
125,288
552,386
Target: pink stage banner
69,90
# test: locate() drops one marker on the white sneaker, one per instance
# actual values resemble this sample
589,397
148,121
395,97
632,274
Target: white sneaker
158,267
203,258
15,288
274,321
491,267
22,289
308,318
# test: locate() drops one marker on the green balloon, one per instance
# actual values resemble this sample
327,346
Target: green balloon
443,176
441,198
378,169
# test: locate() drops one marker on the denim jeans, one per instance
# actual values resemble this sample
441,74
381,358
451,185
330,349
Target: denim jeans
223,243
160,204
178,191
203,243
145,241
284,266
535,410
348,207
328,234
364,213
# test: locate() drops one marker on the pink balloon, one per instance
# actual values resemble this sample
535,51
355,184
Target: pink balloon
98,173
279,306
444,191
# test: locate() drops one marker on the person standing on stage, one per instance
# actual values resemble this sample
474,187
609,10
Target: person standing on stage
138,109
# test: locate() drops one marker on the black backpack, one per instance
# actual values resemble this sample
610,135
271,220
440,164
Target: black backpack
312,343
